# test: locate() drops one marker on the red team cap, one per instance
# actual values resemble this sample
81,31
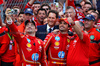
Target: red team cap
64,19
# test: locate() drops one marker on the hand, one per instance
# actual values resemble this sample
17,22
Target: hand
55,31
9,20
7,12
70,20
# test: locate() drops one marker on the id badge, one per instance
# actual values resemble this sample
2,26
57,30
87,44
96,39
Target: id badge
10,47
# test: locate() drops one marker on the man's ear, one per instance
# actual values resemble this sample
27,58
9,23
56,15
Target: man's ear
93,23
36,30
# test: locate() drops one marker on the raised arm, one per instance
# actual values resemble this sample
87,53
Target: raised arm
0,19
13,27
94,3
29,4
76,27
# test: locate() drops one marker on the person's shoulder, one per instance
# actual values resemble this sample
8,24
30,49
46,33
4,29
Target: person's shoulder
40,26
39,41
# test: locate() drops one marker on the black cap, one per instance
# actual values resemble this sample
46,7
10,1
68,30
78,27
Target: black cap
27,21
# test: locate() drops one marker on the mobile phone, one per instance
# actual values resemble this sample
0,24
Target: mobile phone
57,4
15,11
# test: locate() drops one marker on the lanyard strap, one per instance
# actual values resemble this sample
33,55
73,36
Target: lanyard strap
11,38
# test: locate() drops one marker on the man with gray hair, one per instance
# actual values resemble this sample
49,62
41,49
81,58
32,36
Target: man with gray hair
70,12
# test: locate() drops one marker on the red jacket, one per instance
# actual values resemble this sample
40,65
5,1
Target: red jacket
1,1
4,42
57,47
94,44
31,49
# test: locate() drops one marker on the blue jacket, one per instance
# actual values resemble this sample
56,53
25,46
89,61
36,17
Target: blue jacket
42,31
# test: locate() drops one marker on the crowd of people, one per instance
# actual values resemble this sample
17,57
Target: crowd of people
44,35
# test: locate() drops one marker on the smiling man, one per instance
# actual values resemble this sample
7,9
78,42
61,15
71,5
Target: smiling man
43,30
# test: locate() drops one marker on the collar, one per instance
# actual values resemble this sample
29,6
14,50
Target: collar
30,37
49,27
90,30
63,35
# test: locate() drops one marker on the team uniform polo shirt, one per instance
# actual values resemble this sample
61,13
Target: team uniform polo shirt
78,53
94,51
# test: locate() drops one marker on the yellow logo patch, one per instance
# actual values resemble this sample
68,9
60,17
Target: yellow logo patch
68,40
28,45
57,43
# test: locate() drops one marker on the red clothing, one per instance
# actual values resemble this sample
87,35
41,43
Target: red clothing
94,50
3,40
78,53
57,47
36,22
9,55
31,49
1,1
71,3
79,16
21,27
28,5
6,54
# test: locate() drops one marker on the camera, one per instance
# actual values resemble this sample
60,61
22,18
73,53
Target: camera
13,11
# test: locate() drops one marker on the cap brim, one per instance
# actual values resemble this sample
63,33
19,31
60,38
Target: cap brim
63,20
28,13
87,18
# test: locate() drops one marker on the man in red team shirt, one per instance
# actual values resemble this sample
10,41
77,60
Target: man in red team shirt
94,34
32,52
78,53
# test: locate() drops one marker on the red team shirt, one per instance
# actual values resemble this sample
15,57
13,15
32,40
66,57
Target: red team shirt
78,53
94,50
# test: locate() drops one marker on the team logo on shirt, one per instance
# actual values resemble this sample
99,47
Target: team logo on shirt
40,48
39,42
57,38
56,47
35,56
67,47
57,43
68,40
29,49
92,37
61,54
28,40
29,45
